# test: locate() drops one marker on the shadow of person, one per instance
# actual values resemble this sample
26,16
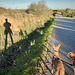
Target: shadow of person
26,35
21,34
7,31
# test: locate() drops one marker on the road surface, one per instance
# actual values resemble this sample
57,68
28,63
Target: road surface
64,34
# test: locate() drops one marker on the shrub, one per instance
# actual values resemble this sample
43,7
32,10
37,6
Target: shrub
39,8
69,13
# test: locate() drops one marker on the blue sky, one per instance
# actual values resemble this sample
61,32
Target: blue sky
24,4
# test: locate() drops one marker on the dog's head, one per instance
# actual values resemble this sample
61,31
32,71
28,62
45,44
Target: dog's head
56,48
72,56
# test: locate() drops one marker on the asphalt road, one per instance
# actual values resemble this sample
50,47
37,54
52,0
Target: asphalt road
64,34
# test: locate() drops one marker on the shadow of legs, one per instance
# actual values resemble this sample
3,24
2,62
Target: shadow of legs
11,38
6,42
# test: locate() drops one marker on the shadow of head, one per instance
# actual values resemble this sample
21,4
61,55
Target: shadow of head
6,20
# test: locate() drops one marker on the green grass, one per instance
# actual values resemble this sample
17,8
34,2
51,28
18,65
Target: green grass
26,62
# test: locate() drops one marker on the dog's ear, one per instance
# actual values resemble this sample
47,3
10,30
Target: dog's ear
53,46
59,45
68,55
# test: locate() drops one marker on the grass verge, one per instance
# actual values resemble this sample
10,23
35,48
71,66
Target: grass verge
28,52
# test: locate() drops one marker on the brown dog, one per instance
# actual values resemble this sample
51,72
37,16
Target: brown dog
57,62
72,56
